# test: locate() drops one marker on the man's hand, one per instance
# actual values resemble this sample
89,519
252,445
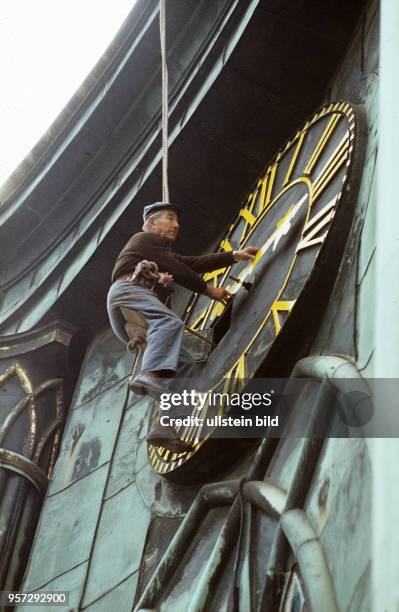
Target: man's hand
219,293
245,254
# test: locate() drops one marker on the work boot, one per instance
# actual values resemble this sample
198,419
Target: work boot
145,384
166,436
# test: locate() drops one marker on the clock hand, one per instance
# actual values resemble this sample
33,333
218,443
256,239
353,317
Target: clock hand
247,286
283,227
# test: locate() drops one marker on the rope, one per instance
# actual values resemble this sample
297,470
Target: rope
165,110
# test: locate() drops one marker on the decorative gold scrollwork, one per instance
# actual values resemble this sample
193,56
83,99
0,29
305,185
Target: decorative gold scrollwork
33,448
21,465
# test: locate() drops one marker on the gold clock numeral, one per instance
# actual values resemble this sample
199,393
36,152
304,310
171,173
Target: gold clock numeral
212,311
217,276
264,191
256,206
264,205
214,276
313,231
226,246
280,306
322,143
262,185
200,320
295,156
217,310
266,188
248,216
234,380
334,163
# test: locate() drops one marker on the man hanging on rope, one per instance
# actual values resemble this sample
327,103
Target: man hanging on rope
164,357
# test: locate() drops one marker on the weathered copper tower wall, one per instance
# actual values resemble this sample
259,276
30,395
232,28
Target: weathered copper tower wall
244,75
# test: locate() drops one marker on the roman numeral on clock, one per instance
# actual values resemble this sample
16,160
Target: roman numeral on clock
226,246
294,158
334,163
214,276
280,306
213,308
200,320
235,378
232,382
259,200
248,216
322,143
316,229
267,188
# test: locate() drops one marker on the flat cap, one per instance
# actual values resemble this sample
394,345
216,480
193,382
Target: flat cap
151,209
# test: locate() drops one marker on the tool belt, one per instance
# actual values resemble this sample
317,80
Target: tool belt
146,274
144,282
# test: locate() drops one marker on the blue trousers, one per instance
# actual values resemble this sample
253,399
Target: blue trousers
165,328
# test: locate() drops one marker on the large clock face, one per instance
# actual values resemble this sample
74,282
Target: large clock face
299,208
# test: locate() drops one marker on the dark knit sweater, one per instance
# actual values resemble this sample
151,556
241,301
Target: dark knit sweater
184,268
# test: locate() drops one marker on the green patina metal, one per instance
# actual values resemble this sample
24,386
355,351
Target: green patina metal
112,532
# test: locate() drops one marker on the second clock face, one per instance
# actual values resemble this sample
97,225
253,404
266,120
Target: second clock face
288,217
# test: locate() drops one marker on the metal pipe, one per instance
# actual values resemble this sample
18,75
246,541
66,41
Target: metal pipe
246,595
217,494
271,500
209,496
304,470
266,496
29,509
336,373
345,380
257,471
9,517
21,465
262,459
223,546
334,368
314,569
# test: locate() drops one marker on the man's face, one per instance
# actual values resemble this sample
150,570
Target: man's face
165,224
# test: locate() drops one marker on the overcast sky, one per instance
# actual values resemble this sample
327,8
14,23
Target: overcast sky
47,48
